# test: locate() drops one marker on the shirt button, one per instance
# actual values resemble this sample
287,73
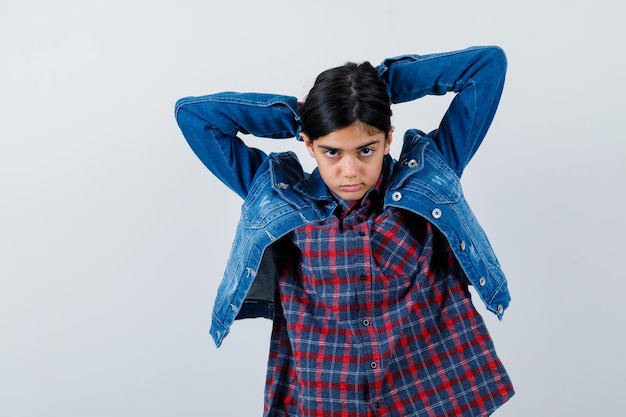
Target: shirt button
412,163
462,245
373,365
397,196
363,277
361,233
366,322
482,281
436,213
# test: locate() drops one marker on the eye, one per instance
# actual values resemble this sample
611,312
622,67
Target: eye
331,153
366,152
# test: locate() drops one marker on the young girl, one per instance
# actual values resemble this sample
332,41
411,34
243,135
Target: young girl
364,264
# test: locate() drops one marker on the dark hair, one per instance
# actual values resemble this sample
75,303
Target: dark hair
344,95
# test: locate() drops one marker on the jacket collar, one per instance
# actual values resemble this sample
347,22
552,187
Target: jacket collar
314,188
301,189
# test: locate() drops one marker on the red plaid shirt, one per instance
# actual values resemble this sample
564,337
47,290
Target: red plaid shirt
373,318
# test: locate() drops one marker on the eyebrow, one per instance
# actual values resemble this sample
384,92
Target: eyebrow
366,145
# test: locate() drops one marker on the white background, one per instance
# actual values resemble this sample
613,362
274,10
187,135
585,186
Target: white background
112,241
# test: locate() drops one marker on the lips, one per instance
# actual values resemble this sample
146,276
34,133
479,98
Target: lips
350,188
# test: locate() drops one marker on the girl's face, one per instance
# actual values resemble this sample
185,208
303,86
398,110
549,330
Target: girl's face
350,159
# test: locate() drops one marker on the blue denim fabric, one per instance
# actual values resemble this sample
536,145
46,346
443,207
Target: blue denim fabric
279,196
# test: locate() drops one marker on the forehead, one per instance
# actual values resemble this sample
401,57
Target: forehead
354,136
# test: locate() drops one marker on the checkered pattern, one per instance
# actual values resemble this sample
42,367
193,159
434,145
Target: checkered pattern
373,319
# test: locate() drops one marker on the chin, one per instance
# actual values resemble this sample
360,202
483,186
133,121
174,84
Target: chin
351,196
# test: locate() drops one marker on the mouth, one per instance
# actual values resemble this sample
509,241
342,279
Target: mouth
351,188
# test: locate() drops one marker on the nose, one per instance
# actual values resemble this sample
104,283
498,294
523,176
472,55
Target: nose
349,167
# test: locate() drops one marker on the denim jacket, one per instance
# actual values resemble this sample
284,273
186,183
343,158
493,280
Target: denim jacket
279,196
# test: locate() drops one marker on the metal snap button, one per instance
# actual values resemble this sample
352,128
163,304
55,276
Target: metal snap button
436,213
283,185
482,281
412,163
462,245
397,196
500,309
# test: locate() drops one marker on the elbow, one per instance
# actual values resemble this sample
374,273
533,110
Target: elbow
190,115
497,58
181,112
182,116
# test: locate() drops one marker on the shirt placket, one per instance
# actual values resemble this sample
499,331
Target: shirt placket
371,358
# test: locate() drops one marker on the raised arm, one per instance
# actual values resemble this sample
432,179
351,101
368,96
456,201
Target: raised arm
477,76
211,124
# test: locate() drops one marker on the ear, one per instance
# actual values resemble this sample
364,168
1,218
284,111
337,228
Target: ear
388,140
308,143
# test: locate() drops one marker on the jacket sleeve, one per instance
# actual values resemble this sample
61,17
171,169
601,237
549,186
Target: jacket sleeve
477,76
211,123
